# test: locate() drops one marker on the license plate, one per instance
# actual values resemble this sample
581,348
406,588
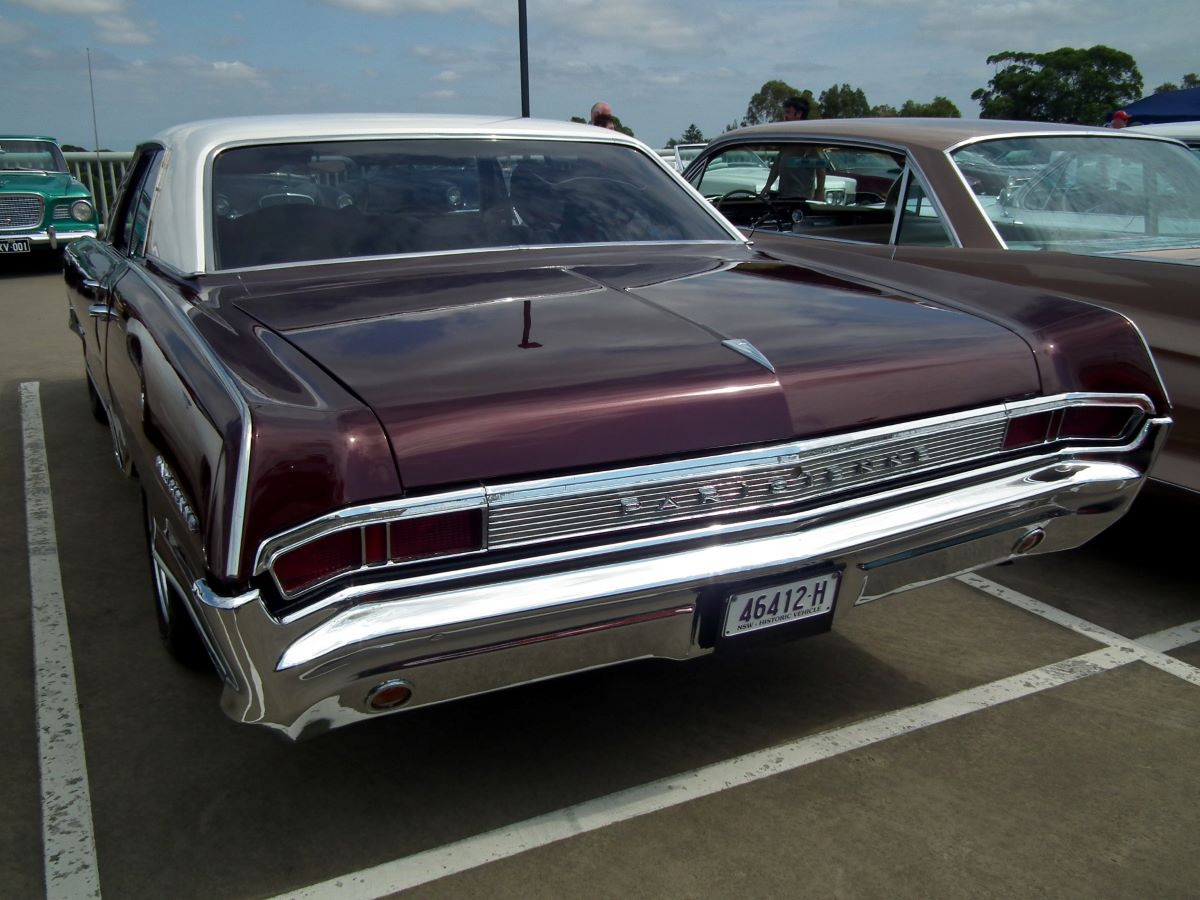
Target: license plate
786,601
14,245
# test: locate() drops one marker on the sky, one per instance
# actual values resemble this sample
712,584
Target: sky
662,64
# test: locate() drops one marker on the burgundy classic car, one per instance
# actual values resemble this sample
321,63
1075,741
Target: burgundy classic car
427,407
1107,216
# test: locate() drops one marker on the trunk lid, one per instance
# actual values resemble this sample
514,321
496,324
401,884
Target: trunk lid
494,372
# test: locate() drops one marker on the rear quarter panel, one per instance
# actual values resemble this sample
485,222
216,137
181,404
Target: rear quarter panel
1162,298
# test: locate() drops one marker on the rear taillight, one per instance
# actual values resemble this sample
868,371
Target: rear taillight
1025,431
458,532
1098,423
319,560
1092,423
377,544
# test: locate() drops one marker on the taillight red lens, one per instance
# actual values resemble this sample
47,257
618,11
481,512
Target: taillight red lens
352,548
1025,431
457,532
319,560
1074,423
1095,422
375,545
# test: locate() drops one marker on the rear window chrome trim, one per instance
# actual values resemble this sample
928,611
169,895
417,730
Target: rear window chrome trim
502,248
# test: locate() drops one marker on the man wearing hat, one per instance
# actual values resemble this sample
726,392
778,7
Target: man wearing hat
1119,119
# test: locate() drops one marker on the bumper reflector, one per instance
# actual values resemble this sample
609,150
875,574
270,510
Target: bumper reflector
389,695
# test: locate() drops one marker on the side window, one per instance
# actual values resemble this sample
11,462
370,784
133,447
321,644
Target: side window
834,191
133,215
921,222
741,169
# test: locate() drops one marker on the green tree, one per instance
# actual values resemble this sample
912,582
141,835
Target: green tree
938,108
1190,80
883,111
732,126
71,148
1064,85
692,135
767,104
844,102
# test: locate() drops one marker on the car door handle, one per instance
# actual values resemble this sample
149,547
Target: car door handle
101,311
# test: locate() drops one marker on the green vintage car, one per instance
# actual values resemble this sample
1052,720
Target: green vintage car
41,204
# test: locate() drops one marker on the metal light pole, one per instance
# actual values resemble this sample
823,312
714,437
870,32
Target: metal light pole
92,88
523,28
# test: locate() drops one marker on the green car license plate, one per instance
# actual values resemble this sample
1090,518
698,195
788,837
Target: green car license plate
14,245
787,601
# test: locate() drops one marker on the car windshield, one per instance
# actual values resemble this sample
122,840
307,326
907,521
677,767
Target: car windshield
1095,194
687,154
330,200
30,156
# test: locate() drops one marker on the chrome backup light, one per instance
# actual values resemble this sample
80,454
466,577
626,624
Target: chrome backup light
1086,422
82,211
351,548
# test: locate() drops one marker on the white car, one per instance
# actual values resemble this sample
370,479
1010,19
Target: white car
1188,132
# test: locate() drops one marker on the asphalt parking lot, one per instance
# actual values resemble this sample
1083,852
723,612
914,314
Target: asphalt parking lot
1030,731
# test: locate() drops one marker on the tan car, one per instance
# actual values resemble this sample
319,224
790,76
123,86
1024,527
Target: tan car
1107,216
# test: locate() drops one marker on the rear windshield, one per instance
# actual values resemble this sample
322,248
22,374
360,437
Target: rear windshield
332,200
1086,194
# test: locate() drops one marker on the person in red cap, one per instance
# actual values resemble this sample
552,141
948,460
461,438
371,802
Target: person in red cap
1119,119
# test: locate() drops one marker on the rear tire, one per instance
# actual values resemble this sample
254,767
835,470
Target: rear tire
175,625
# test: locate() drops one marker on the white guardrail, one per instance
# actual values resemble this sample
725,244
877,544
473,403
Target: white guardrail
102,173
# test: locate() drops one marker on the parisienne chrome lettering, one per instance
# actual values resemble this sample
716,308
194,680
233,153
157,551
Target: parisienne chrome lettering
798,478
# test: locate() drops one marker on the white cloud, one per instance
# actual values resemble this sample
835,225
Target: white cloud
13,33
443,94
74,7
187,69
660,24
667,26
123,31
447,75
487,9
232,71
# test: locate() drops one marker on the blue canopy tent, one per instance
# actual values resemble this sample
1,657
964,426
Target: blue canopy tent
1173,106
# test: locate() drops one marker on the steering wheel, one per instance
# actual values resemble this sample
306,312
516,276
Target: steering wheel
746,193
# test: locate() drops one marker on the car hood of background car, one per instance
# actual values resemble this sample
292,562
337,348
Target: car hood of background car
42,182
492,372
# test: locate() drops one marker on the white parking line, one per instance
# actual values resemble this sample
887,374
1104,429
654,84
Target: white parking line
1150,648
1172,638
451,859
68,841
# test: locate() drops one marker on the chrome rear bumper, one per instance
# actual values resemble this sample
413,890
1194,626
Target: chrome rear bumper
314,672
